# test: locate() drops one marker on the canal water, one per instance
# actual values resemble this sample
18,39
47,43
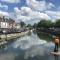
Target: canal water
32,46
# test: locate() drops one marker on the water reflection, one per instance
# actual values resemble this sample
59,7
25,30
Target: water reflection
28,41
56,57
29,47
45,36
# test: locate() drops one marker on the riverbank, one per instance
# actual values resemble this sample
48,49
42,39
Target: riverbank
50,31
7,37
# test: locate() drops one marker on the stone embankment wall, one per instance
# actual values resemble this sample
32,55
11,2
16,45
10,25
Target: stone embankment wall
6,37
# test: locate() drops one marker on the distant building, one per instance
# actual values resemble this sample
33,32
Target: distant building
6,24
12,23
17,26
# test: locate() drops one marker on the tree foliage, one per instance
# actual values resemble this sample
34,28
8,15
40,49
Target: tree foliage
45,23
29,26
22,24
35,25
57,23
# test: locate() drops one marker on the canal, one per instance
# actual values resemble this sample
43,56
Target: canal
32,46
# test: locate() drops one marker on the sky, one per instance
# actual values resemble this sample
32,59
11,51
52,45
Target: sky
30,11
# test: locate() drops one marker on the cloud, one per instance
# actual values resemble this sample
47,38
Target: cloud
33,12
11,1
50,5
16,13
16,9
4,6
7,14
36,5
27,14
39,5
54,15
4,14
26,10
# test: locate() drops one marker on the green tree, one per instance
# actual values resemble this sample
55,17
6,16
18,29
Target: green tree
57,23
35,25
45,24
29,26
22,24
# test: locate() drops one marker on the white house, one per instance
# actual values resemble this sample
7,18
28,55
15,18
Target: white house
6,24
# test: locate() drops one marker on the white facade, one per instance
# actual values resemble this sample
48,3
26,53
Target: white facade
4,25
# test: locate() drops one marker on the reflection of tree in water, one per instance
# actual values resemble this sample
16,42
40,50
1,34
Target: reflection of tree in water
56,57
45,36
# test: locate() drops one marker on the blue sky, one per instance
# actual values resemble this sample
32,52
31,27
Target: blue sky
23,3
12,4
30,10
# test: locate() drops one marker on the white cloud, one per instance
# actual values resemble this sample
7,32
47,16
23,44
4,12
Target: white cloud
39,5
16,10
35,11
26,9
4,6
27,14
11,1
16,13
36,5
54,14
50,5
4,14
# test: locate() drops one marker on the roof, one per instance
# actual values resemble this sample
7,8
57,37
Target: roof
3,19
